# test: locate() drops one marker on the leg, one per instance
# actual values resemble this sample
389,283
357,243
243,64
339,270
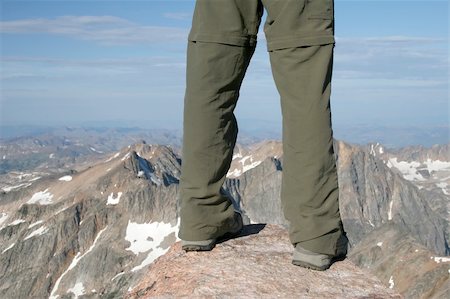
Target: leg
300,45
309,190
217,60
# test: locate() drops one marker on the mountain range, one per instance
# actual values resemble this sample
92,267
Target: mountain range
90,223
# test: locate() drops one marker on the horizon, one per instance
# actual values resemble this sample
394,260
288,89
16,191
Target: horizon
395,138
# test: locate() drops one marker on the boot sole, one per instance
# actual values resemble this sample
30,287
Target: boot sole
318,268
193,247
310,266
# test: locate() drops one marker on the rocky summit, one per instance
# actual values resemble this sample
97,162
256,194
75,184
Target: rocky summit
255,265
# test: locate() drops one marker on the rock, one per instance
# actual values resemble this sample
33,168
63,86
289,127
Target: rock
402,263
255,265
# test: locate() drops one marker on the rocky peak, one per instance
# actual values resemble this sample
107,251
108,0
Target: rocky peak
255,265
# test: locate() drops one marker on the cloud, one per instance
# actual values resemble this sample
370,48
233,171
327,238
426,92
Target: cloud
394,39
392,46
392,57
23,68
107,30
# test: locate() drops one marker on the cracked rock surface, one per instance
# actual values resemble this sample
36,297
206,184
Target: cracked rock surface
257,264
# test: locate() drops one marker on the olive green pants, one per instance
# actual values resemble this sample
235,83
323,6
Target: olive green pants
300,41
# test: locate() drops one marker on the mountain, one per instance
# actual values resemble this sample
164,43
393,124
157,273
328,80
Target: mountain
399,261
95,230
371,194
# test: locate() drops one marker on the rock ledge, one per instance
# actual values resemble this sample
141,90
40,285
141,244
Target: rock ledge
255,265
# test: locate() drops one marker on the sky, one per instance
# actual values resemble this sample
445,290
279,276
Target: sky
123,63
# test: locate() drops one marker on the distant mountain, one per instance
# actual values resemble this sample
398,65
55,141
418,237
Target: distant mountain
393,136
40,152
62,149
95,229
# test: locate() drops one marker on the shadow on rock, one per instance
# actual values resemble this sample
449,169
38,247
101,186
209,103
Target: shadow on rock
247,230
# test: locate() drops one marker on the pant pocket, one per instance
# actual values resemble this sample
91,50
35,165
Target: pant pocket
320,9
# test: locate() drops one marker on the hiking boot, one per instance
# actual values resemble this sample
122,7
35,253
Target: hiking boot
206,245
318,261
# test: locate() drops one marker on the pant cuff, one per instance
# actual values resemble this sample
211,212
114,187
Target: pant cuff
299,41
237,40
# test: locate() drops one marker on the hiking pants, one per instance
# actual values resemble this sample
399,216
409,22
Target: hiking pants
300,42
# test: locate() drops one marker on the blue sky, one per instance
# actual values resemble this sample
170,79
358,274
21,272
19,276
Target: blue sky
123,62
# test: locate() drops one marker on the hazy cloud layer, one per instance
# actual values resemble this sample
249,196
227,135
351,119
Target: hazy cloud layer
102,29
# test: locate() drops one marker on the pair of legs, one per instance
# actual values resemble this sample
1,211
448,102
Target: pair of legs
300,41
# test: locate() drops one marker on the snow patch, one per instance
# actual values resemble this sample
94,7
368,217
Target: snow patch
375,148
252,165
245,167
234,173
148,237
237,155
15,222
22,175
23,185
3,217
436,165
441,259
95,150
35,223
42,197
61,210
408,169
443,186
117,275
113,157
114,200
391,282
40,231
372,151
125,157
390,210
66,178
77,289
8,248
74,262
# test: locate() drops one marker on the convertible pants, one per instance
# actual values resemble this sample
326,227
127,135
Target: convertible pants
300,42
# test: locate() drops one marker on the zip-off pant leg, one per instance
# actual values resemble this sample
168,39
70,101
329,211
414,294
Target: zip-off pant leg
300,41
